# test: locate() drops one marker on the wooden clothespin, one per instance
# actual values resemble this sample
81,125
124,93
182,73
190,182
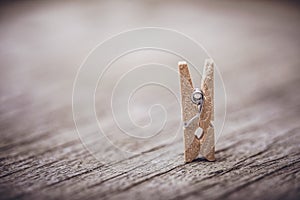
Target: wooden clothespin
198,112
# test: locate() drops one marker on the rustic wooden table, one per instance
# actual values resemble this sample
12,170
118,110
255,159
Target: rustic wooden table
257,47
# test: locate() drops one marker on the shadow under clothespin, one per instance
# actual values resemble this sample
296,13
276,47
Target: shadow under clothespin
198,113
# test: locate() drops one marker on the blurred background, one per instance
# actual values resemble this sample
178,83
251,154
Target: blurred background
255,44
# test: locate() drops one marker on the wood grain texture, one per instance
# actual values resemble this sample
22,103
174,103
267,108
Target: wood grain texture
256,46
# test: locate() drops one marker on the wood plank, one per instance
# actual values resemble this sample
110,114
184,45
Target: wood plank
257,156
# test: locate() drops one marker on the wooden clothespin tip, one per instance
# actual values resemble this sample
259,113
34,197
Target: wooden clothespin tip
208,61
182,64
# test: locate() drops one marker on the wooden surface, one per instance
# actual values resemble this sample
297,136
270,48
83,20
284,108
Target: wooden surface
256,45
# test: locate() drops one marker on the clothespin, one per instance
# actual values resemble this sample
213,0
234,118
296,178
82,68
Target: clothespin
198,112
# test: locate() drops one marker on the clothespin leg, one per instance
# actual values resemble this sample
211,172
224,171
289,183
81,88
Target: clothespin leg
189,110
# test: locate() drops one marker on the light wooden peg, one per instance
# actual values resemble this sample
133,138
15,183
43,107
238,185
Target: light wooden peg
198,112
